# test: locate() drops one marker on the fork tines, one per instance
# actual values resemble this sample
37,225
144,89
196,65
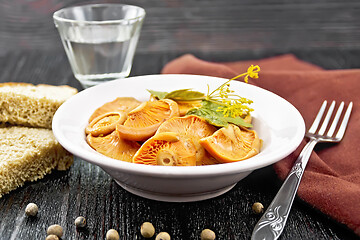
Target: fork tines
327,118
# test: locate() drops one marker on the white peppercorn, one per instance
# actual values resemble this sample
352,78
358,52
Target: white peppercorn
257,208
80,222
52,237
112,234
55,230
207,234
163,236
147,230
31,209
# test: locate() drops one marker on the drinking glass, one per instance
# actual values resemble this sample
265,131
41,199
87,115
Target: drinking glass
100,40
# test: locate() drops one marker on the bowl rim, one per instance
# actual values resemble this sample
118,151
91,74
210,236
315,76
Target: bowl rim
176,171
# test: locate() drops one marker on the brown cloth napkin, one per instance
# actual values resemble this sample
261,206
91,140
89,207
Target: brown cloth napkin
331,182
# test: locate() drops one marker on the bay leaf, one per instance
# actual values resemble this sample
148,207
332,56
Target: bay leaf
158,94
209,111
185,95
209,116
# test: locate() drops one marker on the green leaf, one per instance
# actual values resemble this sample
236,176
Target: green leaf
209,116
185,95
213,106
209,112
238,121
158,94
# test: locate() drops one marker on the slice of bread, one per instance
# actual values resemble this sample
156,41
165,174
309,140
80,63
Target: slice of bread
31,105
27,154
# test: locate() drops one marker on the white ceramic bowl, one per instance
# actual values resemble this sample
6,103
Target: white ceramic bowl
278,123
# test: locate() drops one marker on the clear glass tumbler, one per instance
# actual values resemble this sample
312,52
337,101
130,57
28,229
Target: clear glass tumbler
100,40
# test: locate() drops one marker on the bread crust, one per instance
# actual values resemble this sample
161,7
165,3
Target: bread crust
14,84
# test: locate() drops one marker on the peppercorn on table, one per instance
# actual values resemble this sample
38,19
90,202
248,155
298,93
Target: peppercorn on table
211,31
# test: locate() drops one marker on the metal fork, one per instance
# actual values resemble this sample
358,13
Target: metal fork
272,223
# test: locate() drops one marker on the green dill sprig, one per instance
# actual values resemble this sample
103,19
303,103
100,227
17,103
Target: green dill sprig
220,106
231,104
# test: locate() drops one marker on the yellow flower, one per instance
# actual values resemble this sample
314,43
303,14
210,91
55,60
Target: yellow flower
252,72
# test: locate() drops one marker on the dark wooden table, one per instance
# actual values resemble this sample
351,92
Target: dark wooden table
325,33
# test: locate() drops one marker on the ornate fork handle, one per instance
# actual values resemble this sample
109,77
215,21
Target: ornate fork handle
272,223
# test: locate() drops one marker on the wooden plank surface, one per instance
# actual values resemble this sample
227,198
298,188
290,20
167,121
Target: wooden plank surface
322,32
87,190
203,25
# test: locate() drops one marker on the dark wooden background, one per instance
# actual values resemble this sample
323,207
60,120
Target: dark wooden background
324,32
